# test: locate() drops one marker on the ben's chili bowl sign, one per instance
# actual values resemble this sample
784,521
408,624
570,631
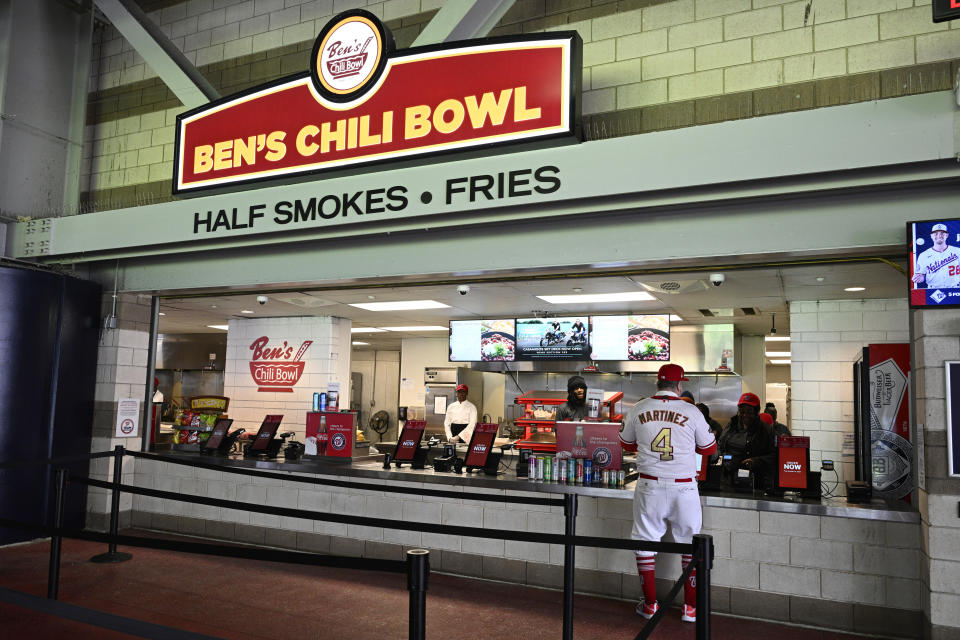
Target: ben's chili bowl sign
363,102
276,367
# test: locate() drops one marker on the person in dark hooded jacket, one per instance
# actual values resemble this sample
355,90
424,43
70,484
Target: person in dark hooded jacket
575,408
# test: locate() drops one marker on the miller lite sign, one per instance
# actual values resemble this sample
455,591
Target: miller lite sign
363,102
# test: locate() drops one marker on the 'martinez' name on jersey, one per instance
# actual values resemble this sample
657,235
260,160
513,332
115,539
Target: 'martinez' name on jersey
942,268
662,416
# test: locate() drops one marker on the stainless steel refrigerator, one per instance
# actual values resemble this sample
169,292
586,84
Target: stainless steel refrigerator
440,385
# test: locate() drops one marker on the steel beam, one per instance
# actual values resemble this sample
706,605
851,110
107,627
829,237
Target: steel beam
159,52
463,20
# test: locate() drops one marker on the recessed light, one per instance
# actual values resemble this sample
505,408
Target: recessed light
675,318
587,298
777,338
401,305
246,311
162,313
855,289
779,362
777,354
371,297
366,330
820,278
357,343
222,327
213,306
578,290
420,328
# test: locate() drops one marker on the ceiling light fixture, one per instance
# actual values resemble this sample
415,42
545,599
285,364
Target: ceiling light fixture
779,362
222,327
420,328
777,354
246,311
675,318
366,330
855,289
162,313
587,298
777,338
357,343
400,305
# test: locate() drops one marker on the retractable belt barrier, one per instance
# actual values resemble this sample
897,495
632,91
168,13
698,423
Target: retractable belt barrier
416,567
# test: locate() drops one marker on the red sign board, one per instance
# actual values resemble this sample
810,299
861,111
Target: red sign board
274,366
362,103
600,443
335,440
409,439
792,455
889,405
944,10
481,443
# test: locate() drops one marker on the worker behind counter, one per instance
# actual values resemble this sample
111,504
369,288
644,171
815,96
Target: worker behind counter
575,408
461,417
749,440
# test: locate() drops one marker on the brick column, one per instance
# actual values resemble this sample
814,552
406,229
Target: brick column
121,373
936,341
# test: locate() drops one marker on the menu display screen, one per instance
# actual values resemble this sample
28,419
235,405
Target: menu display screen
409,439
553,338
481,442
219,431
635,337
934,263
482,341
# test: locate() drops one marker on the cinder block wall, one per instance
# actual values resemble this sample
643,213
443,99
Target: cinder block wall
828,336
840,573
648,65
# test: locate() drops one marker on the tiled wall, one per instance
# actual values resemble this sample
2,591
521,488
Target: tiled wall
825,571
828,336
638,54
327,360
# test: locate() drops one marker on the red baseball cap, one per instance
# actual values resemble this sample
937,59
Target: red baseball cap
749,398
766,417
462,387
671,373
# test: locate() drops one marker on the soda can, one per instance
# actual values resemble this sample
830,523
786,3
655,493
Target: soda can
587,471
620,478
571,471
563,470
323,401
556,470
605,478
539,467
547,470
579,476
532,468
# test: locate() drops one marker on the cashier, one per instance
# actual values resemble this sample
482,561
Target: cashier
575,408
461,417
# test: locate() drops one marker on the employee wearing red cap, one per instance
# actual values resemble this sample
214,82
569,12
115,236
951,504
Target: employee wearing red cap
461,417
748,439
666,433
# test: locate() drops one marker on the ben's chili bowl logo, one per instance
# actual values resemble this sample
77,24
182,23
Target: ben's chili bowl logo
276,368
348,55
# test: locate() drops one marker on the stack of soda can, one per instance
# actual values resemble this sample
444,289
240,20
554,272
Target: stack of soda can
580,471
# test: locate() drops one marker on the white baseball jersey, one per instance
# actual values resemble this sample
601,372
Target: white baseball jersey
942,268
667,431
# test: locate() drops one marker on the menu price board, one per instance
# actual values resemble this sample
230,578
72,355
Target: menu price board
632,337
553,338
601,443
409,439
481,443
934,263
482,341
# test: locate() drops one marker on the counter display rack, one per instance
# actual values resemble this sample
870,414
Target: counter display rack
539,417
193,427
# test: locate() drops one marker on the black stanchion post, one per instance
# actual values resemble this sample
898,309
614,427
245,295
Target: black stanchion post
569,562
418,573
112,555
53,574
703,552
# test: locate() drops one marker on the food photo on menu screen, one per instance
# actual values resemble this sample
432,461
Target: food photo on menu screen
934,263
482,341
553,338
634,337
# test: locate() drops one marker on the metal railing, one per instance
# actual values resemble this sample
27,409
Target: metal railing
417,565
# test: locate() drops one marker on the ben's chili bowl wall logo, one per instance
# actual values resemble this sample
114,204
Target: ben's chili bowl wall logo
348,55
363,102
276,368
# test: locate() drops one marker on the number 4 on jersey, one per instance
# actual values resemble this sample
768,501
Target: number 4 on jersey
661,444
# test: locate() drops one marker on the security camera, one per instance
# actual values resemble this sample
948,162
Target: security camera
716,279
262,299
463,289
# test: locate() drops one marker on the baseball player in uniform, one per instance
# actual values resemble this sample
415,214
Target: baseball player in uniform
666,433
938,266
